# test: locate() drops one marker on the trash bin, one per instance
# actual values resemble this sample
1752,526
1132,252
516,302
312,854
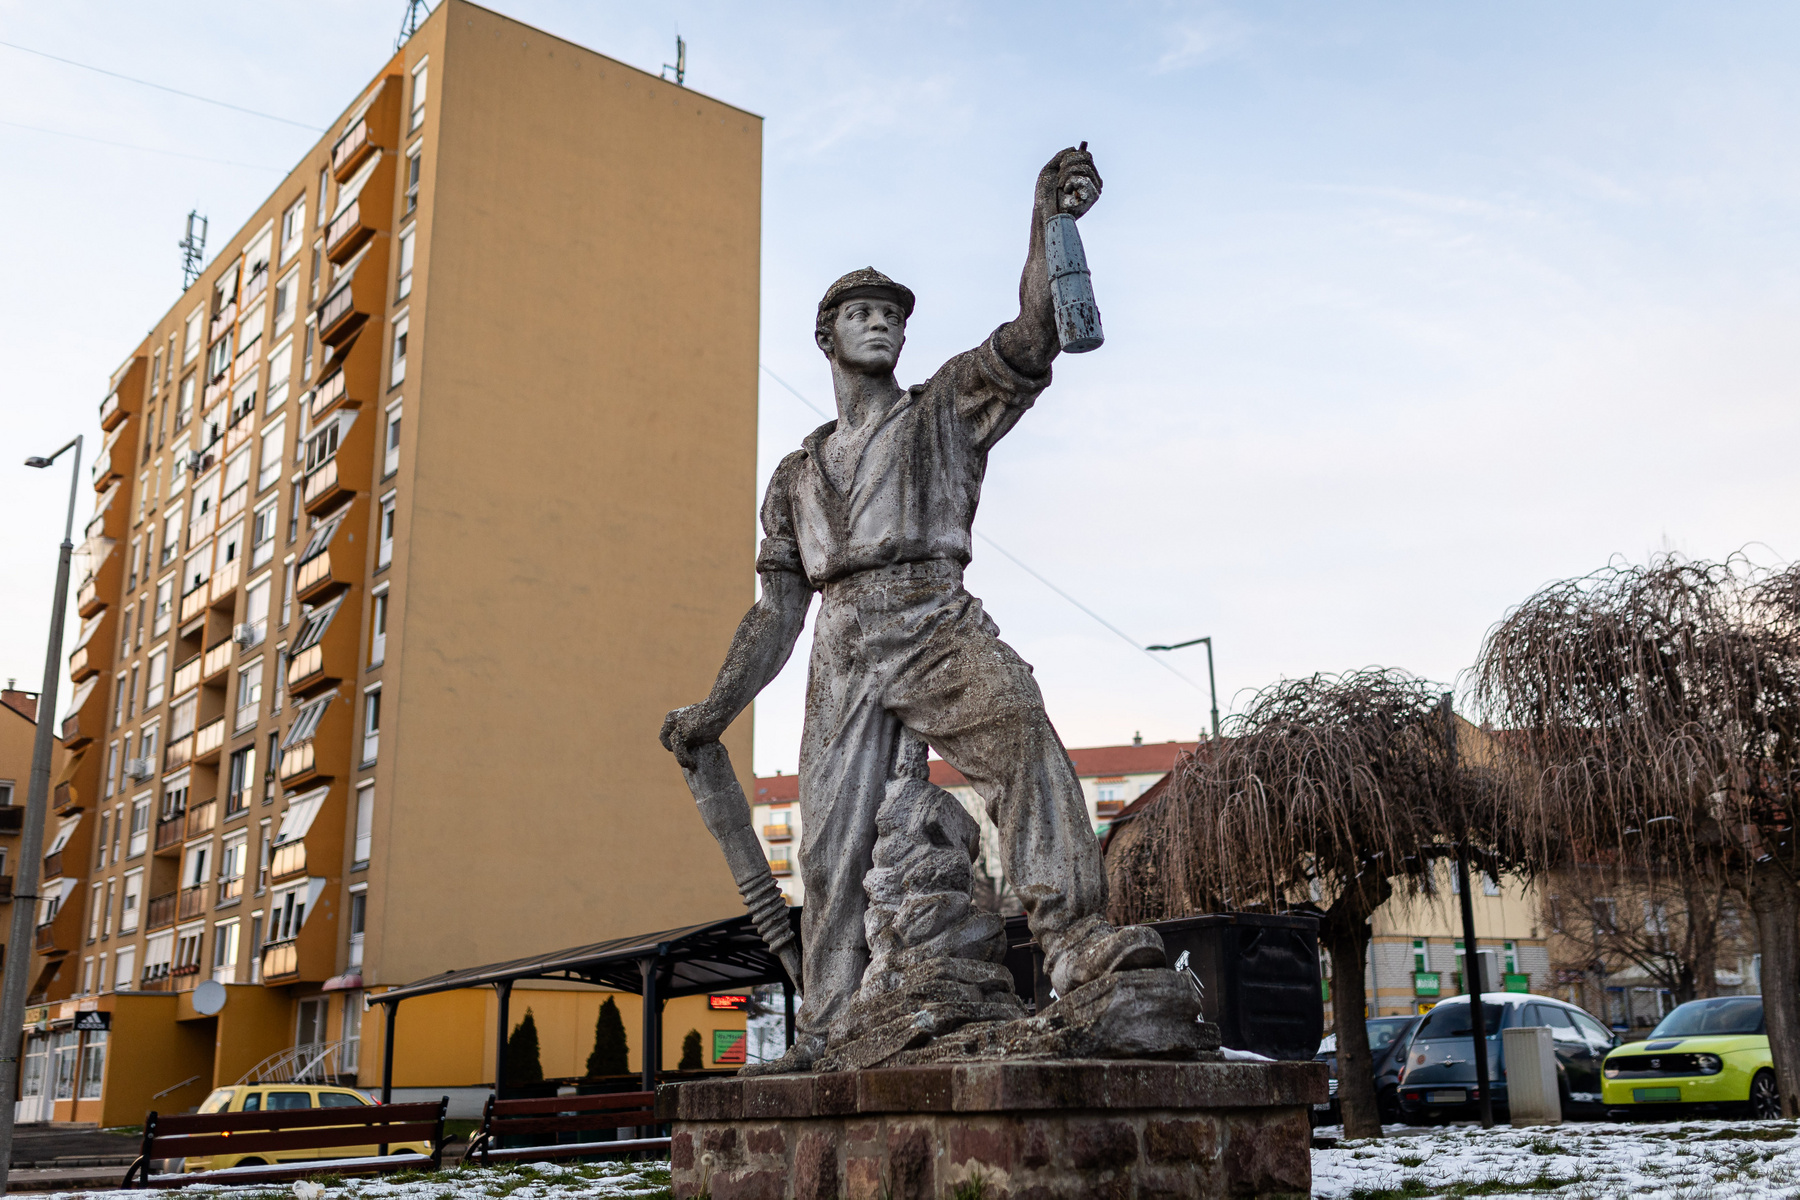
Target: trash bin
1258,976
1528,1053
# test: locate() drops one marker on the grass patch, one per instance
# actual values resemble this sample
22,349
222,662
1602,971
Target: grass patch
1761,1133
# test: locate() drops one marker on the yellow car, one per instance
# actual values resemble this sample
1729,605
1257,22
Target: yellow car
280,1097
1706,1054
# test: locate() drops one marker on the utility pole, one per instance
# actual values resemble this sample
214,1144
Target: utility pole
1211,683
679,66
31,838
1484,1101
193,250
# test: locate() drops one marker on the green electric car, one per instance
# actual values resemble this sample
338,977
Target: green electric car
1705,1056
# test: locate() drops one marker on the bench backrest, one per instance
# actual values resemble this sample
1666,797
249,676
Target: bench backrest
186,1135
561,1114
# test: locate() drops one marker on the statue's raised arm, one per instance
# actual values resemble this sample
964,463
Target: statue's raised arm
1069,185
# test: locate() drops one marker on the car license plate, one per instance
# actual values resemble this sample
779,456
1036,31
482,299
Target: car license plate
1652,1095
1457,1096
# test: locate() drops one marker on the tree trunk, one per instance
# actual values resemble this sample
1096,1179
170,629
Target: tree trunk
1777,906
1345,937
1702,897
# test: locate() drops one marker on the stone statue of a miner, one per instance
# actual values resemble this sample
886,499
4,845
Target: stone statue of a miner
874,514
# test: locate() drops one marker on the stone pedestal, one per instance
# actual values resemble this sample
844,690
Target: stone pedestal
1043,1130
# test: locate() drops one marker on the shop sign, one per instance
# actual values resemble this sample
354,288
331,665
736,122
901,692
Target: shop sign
735,1002
1517,982
93,1022
1427,983
728,1046
37,1018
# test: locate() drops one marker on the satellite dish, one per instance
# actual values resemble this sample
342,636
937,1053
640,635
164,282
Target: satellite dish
209,997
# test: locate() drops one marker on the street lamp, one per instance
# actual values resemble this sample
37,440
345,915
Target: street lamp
1211,683
31,841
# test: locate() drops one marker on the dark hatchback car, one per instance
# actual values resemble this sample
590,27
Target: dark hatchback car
1388,1039
1438,1081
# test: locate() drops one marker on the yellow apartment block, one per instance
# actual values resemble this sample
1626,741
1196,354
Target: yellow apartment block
416,512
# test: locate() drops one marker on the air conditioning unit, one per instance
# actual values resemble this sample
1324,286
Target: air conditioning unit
139,768
248,635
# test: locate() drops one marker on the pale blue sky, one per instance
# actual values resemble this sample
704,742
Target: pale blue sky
1410,307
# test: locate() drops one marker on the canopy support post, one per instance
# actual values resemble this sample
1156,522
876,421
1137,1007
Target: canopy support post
504,990
787,1005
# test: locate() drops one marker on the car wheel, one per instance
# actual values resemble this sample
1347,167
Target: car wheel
1387,1103
1765,1097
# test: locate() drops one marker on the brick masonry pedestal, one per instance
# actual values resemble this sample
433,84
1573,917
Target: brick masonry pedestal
1026,1130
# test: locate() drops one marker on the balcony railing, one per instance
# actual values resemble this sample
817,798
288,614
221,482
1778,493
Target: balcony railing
234,503
216,391
297,762
280,958
347,225
187,677
337,307
82,664
180,752
289,859
12,818
217,660
87,599
225,320
160,911
53,865
194,604
314,571
46,937
349,149
304,665
62,799
155,978
780,866
1108,808
225,580
778,833
241,369
256,285
329,393
169,832
208,739
230,891
201,818
322,483
110,412
193,902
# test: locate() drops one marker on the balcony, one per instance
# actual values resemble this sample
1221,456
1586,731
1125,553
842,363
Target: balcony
240,430
357,296
778,833
193,902
337,313
6,889
169,831
111,414
225,320
329,394
224,582
256,285
289,859
322,490
53,865
161,911
234,503
194,603
113,460
208,740
12,818
315,580
346,234
780,866
155,979
1108,808
217,660
352,150
230,891
299,765
280,959
87,599
201,818
46,939
83,664
179,753
63,800
215,393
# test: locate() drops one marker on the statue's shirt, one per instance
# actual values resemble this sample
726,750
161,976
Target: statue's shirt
914,491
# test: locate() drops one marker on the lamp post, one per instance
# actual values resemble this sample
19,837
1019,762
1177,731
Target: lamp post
1211,683
31,840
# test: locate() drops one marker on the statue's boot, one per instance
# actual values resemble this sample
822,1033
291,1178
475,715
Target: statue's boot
1091,948
798,1059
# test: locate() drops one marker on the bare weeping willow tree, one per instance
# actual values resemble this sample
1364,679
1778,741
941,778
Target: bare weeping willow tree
1328,795
1653,714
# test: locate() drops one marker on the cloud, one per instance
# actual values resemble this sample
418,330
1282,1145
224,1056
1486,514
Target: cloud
1205,38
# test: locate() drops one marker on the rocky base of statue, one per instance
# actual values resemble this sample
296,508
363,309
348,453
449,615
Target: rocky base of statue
1045,1130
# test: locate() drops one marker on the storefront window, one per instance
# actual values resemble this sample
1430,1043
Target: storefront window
93,1064
63,1050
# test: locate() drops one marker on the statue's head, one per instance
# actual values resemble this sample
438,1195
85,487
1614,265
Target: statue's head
861,324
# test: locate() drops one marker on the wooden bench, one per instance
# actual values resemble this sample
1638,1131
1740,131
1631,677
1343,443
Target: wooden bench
199,1135
531,1119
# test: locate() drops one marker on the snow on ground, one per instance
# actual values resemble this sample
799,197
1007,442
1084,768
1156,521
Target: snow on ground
533,1181
1686,1160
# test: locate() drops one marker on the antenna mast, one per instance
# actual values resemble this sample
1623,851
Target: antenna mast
416,11
679,66
193,249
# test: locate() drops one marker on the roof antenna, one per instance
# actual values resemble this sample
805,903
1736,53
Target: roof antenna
193,249
679,66
416,12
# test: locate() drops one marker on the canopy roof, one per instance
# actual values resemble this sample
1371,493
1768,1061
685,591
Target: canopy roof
717,956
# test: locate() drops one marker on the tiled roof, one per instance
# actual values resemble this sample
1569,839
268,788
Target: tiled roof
1152,758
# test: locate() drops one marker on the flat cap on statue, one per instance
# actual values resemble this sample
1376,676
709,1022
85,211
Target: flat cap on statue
867,282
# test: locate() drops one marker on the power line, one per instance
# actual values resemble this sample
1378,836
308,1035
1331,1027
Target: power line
82,137
161,88
1134,643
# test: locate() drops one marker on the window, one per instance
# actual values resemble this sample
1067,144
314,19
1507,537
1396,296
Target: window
196,569
125,969
225,951
93,1058
249,694
262,538
190,346
287,593
174,801
132,898
125,646
158,676
263,855
165,608
320,539
193,871
306,356
187,950
182,717
378,630
412,180
365,822
112,888
371,724
271,784
287,296
391,460
184,409
315,625
384,550
131,693
359,909
218,359
147,747
137,549
288,913
397,371
94,902
350,1049
242,777
420,74
122,690
281,368
230,546
237,472
407,240
322,446
112,769
306,722
324,182
171,539
293,228
256,613
1489,885
1421,956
